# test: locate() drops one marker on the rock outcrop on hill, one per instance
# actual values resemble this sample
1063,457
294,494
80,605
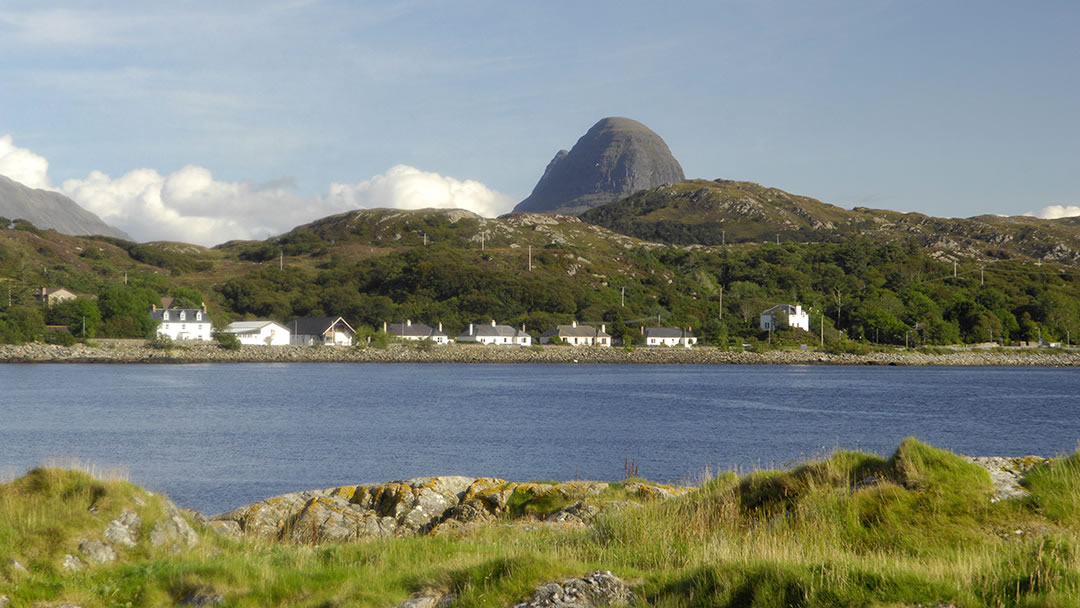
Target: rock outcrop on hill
425,505
615,158
46,210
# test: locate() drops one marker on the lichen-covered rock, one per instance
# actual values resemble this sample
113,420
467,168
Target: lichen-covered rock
428,599
173,531
577,514
1007,473
267,518
595,589
654,491
334,519
227,528
97,552
71,563
125,529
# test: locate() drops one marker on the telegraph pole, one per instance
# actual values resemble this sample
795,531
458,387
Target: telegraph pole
622,296
530,258
721,303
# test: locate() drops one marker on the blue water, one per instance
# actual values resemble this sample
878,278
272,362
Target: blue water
214,437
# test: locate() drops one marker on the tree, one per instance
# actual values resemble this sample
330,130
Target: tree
81,315
22,324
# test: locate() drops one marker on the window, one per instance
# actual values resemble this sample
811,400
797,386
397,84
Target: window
165,316
198,316
183,315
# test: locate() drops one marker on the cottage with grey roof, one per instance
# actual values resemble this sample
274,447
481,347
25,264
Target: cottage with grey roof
416,332
668,336
327,331
785,315
182,323
578,335
500,335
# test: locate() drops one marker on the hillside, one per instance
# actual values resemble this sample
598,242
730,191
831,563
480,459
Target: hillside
455,268
712,212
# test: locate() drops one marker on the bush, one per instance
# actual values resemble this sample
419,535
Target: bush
161,342
59,336
227,340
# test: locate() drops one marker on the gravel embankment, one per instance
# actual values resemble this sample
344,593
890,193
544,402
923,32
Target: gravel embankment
135,352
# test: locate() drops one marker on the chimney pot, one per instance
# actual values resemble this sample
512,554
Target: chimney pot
573,323
408,322
493,322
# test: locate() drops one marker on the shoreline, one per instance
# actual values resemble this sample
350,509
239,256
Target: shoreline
135,351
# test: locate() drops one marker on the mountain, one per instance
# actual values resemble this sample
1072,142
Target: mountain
52,210
706,212
616,157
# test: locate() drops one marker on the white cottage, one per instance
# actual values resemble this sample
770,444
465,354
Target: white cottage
260,333
785,315
668,336
499,335
416,332
575,334
182,323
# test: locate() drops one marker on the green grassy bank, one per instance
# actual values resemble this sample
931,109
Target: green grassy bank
916,529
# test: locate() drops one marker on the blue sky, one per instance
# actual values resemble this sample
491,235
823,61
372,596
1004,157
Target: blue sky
203,121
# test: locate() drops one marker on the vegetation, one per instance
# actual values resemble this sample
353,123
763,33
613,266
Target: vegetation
456,268
915,529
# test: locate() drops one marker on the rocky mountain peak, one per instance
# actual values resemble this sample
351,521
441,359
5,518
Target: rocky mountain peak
615,158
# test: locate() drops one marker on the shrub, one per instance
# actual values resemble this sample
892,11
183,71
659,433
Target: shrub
227,340
161,342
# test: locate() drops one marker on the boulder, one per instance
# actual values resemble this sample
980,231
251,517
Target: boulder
173,531
124,530
97,552
597,588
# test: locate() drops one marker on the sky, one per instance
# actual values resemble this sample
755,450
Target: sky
210,121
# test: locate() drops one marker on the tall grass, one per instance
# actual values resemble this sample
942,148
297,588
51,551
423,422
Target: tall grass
853,529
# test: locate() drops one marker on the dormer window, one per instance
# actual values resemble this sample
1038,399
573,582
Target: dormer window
165,316
198,316
183,316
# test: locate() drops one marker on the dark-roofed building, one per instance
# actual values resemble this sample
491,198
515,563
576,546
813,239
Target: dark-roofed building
575,334
416,331
785,315
504,335
328,331
668,336
182,323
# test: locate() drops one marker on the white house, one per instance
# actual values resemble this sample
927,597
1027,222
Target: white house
668,336
182,323
260,333
496,334
785,315
51,295
416,331
328,331
575,334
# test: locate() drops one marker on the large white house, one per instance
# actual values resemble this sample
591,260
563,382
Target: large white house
785,315
182,323
669,336
328,331
260,333
499,335
416,332
575,334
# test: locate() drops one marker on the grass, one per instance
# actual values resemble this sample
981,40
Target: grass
853,529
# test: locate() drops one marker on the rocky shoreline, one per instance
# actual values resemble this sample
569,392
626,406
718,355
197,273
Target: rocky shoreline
137,351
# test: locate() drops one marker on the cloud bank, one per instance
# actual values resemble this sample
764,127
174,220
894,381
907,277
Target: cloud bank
189,205
1054,212
22,165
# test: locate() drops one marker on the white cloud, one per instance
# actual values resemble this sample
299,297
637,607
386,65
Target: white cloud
1054,212
189,205
404,187
22,165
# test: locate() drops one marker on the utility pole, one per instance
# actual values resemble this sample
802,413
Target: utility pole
622,296
982,270
425,239
723,237
954,269
530,258
125,277
777,238
721,303
481,241
822,334
281,260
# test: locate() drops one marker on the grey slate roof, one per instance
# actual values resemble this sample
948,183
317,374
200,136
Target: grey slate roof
316,326
581,331
788,308
251,327
414,330
487,330
667,332
174,315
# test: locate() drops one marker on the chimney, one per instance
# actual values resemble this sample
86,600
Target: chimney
470,329
408,322
603,328
573,323
493,322
153,307
440,326
384,326
643,330
204,307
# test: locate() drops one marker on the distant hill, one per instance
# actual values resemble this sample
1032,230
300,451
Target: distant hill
52,210
616,157
712,212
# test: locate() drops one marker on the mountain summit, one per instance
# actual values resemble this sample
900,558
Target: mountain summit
47,209
615,158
